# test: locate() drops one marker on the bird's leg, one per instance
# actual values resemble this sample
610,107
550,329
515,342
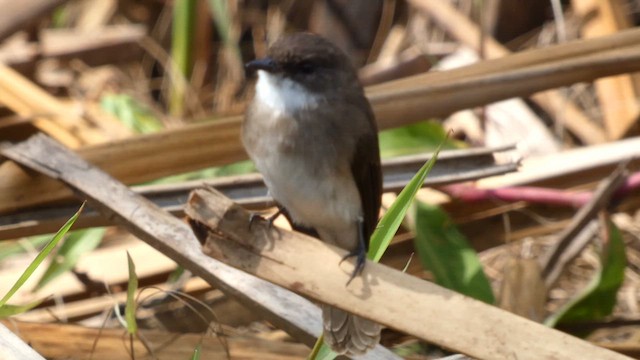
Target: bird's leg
255,216
360,252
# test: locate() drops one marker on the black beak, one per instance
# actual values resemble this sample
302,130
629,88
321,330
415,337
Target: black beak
266,64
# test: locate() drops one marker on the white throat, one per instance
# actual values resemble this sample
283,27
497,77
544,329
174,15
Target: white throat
282,94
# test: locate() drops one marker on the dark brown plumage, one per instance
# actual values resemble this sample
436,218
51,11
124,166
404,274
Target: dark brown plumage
311,132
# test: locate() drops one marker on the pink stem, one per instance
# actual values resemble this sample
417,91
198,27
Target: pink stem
532,194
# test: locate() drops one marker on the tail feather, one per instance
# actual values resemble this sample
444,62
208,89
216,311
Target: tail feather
349,334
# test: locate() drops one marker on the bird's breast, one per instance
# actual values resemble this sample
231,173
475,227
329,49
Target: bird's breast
315,186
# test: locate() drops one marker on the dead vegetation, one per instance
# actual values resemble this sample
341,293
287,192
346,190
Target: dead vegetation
124,93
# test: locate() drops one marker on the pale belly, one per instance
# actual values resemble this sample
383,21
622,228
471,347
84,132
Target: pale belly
316,188
328,202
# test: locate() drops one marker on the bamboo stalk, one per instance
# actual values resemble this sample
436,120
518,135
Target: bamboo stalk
412,103
385,295
461,28
250,190
217,143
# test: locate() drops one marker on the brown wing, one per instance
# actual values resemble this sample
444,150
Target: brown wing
367,173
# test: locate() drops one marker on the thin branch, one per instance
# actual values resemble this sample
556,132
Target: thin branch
569,244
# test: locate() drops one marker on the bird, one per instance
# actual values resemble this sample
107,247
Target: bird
311,133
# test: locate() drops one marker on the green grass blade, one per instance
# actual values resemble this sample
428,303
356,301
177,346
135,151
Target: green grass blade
184,18
444,250
133,114
41,256
184,15
130,310
72,248
416,138
197,352
175,275
321,351
391,221
9,310
382,236
598,298
12,248
221,19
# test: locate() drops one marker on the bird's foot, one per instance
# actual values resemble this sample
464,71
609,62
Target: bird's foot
360,253
270,219
361,259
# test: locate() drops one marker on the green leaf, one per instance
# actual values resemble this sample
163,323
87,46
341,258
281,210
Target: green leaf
598,298
175,275
324,352
130,310
131,113
11,248
415,138
41,256
444,250
7,310
60,17
238,168
221,19
72,248
410,349
391,221
382,236
183,29
197,352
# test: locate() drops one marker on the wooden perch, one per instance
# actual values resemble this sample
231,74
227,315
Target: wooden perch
172,237
397,300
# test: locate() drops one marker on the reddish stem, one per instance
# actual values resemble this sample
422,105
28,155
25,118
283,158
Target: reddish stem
532,194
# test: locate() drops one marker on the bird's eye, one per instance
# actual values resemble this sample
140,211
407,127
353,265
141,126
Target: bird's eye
306,68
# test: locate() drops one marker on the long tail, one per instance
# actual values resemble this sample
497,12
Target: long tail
349,334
